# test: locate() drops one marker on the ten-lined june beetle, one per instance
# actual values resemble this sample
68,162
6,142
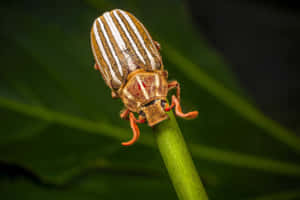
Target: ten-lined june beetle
131,65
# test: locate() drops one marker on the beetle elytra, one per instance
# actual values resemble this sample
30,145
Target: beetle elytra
131,65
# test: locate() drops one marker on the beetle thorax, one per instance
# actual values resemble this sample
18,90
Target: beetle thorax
142,88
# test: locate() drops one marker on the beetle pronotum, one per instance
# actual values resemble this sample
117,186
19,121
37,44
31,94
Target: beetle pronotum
131,65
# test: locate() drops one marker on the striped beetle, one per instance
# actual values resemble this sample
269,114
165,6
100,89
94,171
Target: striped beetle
131,65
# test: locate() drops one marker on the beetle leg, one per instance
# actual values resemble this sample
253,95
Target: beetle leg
169,107
178,111
135,130
157,45
96,67
114,95
141,119
124,113
175,84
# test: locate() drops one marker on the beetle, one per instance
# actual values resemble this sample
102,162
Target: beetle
130,63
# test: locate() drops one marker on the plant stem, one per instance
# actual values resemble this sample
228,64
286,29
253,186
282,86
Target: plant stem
178,161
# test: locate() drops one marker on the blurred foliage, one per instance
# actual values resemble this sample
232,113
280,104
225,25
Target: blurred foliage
61,132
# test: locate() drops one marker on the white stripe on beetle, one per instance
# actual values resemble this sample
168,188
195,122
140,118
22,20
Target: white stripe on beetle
142,86
98,63
129,36
139,37
115,32
111,47
119,40
104,53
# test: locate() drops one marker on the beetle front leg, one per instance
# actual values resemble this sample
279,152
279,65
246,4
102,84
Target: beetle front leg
172,85
179,113
135,130
178,110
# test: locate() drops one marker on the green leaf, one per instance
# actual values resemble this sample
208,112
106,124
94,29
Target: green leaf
286,195
95,185
59,121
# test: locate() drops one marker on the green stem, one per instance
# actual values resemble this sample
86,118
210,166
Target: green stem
178,161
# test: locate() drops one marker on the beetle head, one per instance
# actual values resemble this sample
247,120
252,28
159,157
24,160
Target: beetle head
154,111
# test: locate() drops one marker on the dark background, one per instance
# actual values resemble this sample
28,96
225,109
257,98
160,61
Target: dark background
261,41
60,131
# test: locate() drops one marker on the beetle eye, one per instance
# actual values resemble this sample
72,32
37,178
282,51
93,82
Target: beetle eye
142,113
163,103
